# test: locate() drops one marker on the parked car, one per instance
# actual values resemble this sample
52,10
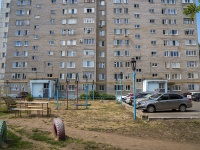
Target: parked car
22,95
139,97
189,94
196,97
165,101
124,97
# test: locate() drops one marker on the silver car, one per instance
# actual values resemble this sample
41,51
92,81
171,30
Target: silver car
165,101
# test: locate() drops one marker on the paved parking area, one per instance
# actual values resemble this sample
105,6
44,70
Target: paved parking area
191,113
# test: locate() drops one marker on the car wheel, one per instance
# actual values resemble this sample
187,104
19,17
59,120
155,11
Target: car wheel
182,108
173,109
151,109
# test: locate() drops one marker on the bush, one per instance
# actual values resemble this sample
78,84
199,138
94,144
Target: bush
82,96
107,96
29,97
96,94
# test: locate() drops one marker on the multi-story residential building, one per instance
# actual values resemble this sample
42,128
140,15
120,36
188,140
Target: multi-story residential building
70,39
4,23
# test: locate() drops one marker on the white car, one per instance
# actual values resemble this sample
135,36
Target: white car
124,97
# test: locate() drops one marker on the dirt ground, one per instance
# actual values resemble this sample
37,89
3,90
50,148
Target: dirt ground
107,122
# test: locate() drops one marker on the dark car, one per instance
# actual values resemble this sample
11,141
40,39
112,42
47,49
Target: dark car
165,101
196,97
22,95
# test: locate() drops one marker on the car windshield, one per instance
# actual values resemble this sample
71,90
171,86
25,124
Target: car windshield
155,96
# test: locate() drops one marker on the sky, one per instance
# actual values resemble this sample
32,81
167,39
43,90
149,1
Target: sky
197,17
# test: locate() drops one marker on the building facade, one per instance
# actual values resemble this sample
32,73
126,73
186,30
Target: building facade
92,41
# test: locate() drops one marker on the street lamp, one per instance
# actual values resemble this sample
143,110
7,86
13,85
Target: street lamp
116,88
49,90
133,64
86,88
93,89
6,87
121,76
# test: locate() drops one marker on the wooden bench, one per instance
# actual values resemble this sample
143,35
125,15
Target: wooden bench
18,110
36,107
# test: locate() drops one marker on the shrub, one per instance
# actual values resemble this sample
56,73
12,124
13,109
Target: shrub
29,97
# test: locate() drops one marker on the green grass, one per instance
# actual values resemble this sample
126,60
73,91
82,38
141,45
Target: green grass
15,143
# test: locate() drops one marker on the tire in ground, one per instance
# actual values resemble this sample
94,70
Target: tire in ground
3,132
58,129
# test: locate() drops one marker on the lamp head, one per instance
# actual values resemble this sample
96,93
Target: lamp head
133,64
121,75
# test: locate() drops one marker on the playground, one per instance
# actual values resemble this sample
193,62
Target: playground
102,125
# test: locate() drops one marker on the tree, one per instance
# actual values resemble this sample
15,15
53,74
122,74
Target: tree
192,10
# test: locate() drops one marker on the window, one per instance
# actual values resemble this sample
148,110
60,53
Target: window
25,43
15,75
191,53
101,65
16,64
172,21
164,21
49,75
88,63
151,10
117,10
89,10
88,41
71,42
50,53
17,43
187,1
62,76
154,64
136,5
88,52
126,10
72,11
192,64
126,21
102,33
36,27
63,32
153,53
72,21
152,21
101,87
137,46
118,64
89,1
193,87
51,32
174,43
101,3
102,76
166,53
176,88
118,42
71,31
101,43
165,32
167,76
127,53
73,1
152,31
118,53
62,64
126,42
21,2
35,47
88,30
51,42
172,11
190,42
101,54
137,26
117,1
188,21
71,65
151,1
193,75
36,37
71,53
19,32
137,15
176,76
90,20
127,88
118,21
154,75
127,64
175,54
175,65
53,1
189,31
19,22
117,76
137,36
153,42
7,5
117,31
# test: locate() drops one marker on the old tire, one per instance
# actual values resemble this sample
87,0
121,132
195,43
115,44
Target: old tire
3,132
151,109
59,129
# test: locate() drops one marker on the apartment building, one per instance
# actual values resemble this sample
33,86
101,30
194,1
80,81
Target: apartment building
4,23
54,42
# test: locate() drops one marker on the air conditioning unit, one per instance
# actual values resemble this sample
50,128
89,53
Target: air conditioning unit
126,35
81,40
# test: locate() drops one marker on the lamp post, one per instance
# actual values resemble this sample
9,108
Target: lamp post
6,87
93,89
67,93
57,86
49,90
116,88
121,76
133,64
86,88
